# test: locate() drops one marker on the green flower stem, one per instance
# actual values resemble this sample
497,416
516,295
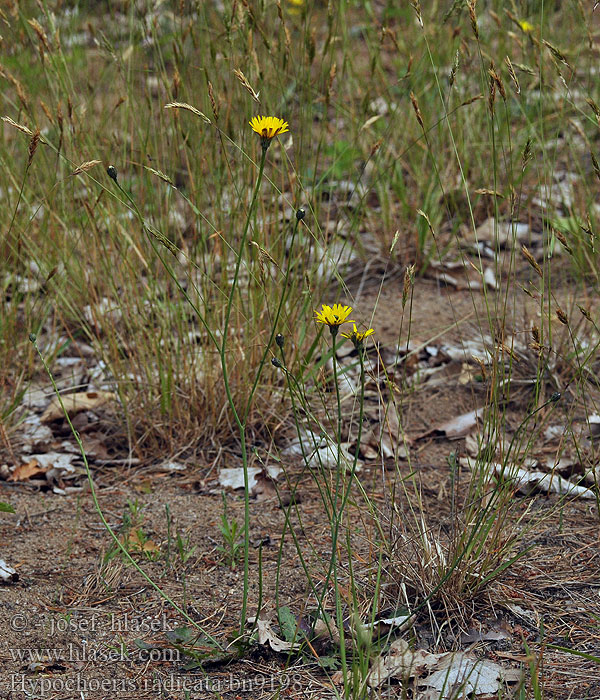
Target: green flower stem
332,573
241,422
274,323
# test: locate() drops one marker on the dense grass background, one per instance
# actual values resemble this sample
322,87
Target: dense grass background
348,77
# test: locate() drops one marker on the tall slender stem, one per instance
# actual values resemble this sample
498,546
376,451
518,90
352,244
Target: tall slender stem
241,421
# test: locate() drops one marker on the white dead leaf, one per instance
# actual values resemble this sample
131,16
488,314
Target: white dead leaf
173,466
396,663
493,635
490,278
59,461
464,672
36,397
320,452
473,445
401,662
594,423
7,573
398,623
466,349
528,482
106,310
33,432
592,476
75,403
449,279
554,431
368,446
504,233
527,615
388,450
564,465
234,478
459,426
266,635
326,631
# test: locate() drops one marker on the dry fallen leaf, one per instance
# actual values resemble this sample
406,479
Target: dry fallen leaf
400,662
7,573
75,403
457,427
503,233
441,675
528,482
320,452
25,471
466,672
259,480
136,542
266,635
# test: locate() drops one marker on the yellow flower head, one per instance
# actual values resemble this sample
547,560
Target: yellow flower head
357,337
268,127
333,316
526,26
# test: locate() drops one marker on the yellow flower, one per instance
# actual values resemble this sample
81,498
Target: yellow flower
357,337
526,26
333,316
268,127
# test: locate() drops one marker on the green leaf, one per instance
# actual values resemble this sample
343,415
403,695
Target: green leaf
6,508
329,662
288,624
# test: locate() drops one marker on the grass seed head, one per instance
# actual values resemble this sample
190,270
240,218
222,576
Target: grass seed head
189,108
531,260
33,144
562,316
84,167
415,104
246,85
213,102
513,75
473,17
20,127
409,278
585,312
561,237
526,155
596,166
